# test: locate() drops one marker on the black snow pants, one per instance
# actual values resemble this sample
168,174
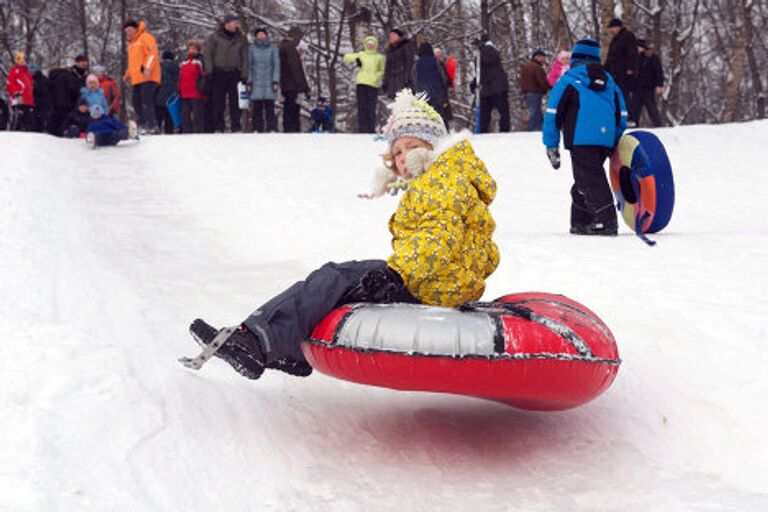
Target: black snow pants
288,319
501,103
263,109
592,199
645,97
224,90
367,97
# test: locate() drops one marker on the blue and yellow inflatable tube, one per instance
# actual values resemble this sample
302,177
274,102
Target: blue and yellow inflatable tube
641,180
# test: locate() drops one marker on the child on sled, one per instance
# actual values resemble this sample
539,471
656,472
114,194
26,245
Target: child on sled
441,240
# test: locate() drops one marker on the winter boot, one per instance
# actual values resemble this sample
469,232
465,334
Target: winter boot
90,140
596,228
292,367
238,346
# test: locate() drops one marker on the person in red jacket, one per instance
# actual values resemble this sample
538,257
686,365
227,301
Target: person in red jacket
21,93
110,88
192,100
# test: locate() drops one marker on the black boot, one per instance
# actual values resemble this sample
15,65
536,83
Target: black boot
292,367
241,350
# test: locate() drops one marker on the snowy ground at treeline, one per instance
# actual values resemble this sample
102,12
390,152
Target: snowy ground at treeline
106,256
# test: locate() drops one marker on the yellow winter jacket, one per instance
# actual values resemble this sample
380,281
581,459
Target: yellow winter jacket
441,231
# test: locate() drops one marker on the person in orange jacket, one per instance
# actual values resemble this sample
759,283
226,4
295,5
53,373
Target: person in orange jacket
143,73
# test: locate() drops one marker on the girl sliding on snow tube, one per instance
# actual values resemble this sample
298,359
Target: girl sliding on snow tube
441,239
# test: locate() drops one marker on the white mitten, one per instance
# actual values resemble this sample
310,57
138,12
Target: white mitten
418,160
381,178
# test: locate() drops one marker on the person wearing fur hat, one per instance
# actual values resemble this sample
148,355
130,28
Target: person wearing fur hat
370,71
20,89
588,107
441,241
93,94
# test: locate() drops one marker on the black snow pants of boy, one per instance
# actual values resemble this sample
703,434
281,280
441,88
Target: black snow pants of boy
591,194
288,319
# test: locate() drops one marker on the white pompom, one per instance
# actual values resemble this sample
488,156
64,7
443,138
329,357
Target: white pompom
405,99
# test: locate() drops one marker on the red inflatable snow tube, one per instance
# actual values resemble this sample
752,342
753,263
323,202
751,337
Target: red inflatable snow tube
529,350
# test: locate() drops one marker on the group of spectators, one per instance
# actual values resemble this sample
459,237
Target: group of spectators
631,62
226,73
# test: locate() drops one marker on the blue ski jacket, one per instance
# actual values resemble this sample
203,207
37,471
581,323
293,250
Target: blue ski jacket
588,106
94,97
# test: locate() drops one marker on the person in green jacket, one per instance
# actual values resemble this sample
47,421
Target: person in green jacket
370,71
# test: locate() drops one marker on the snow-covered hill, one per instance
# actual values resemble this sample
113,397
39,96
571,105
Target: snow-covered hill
106,256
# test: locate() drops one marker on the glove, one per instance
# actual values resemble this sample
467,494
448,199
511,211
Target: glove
359,63
381,286
275,86
554,157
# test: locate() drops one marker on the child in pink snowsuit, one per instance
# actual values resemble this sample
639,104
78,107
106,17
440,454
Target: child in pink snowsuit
559,66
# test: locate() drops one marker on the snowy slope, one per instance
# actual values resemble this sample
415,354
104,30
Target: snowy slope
107,255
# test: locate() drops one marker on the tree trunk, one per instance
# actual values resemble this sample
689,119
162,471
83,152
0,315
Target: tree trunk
485,18
607,13
736,69
757,83
557,17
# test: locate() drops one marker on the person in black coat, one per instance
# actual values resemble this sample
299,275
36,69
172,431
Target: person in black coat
430,77
293,81
621,61
5,115
43,98
494,86
400,54
169,84
65,86
648,85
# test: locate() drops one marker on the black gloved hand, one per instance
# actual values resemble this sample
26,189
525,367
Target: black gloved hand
554,157
359,63
381,286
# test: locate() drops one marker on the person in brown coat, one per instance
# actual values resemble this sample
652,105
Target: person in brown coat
534,85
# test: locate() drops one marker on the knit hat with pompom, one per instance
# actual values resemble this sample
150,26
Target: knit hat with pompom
412,116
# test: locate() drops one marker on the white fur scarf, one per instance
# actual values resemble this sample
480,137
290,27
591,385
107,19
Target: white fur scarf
417,161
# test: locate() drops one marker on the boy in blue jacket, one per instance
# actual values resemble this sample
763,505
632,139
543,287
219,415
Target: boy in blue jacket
104,130
588,106
322,116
